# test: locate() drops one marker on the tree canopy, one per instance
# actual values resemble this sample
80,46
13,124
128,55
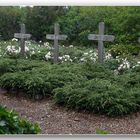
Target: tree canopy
76,22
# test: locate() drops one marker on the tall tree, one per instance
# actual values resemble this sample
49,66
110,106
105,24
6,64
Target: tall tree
40,20
10,18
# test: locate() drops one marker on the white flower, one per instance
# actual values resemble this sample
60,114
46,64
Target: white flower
93,58
8,48
13,47
133,67
125,64
28,43
71,46
48,56
108,56
49,53
82,59
26,49
16,51
14,39
60,57
86,53
95,54
33,52
46,44
128,65
19,49
138,62
67,56
91,51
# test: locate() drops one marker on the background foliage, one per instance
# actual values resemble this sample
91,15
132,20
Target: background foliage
123,22
76,22
10,18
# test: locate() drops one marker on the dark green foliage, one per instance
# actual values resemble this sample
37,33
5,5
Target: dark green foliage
39,79
11,123
27,81
136,69
80,21
103,93
133,80
96,70
40,20
122,50
7,65
112,64
13,65
100,96
10,18
85,86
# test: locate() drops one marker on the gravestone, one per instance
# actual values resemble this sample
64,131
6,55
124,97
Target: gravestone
22,36
101,38
56,37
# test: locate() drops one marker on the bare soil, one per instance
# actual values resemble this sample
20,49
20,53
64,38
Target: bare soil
55,119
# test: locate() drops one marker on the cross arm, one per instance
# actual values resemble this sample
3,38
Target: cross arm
101,37
20,35
59,37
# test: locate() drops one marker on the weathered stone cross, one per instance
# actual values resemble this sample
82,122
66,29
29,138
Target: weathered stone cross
56,37
101,38
22,36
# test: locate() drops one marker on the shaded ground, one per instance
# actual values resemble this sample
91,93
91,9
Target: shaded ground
54,119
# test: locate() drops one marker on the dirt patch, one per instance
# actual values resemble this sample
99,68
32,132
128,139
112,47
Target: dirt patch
55,119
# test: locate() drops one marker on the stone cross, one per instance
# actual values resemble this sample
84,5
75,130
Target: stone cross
101,38
22,36
56,37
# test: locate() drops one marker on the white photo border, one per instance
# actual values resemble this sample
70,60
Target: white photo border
70,2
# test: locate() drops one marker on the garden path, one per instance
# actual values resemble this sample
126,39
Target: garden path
55,119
